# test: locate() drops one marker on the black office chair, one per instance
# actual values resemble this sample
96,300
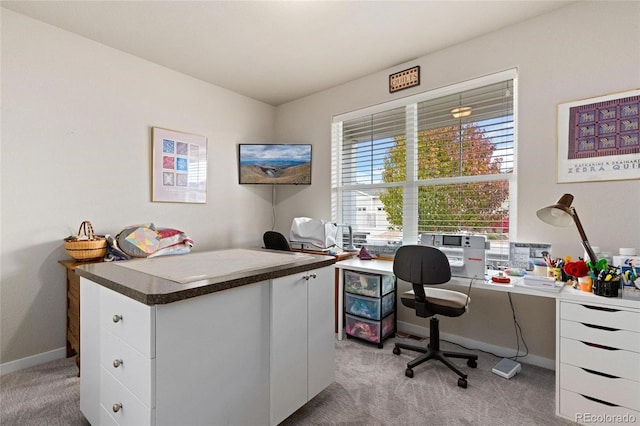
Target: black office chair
275,241
420,266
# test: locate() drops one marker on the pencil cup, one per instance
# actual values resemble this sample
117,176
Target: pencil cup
585,283
555,273
606,288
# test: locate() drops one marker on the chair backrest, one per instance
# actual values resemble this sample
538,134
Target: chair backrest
275,241
420,265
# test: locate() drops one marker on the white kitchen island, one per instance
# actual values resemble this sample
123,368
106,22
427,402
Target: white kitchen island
246,337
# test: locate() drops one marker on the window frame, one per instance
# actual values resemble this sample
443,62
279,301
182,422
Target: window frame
411,184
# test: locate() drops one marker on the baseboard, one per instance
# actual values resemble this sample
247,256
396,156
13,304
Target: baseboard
30,361
500,351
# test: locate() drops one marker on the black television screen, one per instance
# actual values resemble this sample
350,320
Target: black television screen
280,164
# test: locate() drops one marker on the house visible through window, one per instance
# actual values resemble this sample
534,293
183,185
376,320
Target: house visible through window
438,162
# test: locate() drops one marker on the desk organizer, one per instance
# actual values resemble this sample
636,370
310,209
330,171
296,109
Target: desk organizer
606,288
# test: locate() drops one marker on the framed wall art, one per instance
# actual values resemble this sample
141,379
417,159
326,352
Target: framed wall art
179,167
599,138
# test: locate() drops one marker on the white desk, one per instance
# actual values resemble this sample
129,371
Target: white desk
594,384
385,267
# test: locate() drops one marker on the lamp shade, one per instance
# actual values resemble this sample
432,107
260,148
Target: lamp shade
558,214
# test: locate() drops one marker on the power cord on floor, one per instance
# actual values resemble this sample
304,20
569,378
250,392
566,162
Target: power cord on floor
519,336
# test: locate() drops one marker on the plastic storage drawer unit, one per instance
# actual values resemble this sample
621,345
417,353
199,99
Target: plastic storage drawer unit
369,330
368,284
368,307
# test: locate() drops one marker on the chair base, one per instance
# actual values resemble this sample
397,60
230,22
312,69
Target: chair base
432,351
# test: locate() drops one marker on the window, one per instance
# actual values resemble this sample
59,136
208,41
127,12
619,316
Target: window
437,162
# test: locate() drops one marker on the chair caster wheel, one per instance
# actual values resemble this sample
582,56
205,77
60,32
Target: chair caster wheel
462,383
409,373
396,351
472,363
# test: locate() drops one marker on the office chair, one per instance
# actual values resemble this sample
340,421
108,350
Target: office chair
275,241
425,266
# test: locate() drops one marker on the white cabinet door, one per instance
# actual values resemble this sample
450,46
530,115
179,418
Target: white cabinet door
288,374
322,351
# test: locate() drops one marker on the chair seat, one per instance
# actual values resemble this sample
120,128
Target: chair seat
440,301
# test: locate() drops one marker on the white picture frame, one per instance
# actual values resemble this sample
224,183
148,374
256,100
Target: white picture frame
179,167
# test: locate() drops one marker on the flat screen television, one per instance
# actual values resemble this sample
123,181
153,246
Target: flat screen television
276,164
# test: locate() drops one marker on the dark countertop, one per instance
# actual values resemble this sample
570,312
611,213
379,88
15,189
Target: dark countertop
154,290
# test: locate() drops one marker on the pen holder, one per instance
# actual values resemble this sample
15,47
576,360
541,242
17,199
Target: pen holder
606,288
555,273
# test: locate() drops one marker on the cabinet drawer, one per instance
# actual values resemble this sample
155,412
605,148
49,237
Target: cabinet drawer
129,320
615,390
613,337
372,285
136,372
372,331
133,411
617,362
581,409
600,315
367,307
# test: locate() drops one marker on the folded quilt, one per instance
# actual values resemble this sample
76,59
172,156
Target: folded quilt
147,240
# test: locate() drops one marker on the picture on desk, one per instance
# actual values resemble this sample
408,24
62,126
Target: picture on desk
528,255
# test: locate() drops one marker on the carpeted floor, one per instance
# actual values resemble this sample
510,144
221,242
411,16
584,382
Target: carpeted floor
370,389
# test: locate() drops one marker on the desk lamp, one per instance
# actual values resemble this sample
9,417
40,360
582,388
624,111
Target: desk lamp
562,214
349,246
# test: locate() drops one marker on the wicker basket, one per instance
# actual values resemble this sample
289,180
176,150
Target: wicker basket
87,245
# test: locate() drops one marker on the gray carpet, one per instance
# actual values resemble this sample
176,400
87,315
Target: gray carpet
370,389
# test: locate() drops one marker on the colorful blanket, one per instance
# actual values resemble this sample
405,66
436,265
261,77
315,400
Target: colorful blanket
147,240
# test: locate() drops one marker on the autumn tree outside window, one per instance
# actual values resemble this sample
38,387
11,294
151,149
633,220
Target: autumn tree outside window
410,167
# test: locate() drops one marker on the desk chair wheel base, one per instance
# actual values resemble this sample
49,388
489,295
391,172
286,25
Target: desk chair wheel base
461,382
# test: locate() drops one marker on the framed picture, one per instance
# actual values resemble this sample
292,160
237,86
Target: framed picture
599,138
179,167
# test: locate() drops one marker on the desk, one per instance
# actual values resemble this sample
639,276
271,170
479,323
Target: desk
593,382
385,267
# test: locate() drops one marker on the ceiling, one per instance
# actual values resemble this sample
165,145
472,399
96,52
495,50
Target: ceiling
278,51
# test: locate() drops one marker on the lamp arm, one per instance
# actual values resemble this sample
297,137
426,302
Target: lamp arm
350,246
583,237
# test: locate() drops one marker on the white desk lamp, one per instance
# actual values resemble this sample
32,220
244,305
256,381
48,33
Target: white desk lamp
562,214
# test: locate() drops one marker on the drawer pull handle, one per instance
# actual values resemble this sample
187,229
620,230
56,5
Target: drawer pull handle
600,308
599,401
595,345
600,327
117,363
116,407
117,318
599,373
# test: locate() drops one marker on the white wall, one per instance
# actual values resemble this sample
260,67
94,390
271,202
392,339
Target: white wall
76,145
583,50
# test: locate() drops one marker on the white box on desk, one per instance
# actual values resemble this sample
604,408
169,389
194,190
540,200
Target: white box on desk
541,283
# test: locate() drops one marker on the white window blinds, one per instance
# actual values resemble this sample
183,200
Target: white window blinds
442,162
